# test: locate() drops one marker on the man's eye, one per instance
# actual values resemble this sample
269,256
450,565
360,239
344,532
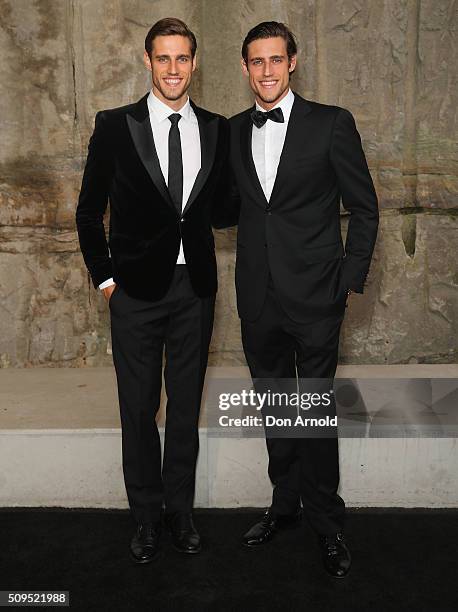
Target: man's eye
277,60
162,60
183,60
256,62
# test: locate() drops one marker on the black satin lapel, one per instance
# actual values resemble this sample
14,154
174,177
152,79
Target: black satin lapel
294,142
208,131
142,136
247,159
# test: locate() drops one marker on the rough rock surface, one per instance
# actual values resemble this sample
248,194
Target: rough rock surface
393,64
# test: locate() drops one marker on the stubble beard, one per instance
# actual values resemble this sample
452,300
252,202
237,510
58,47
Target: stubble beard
273,97
171,95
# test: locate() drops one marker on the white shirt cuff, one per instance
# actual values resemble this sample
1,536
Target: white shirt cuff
106,283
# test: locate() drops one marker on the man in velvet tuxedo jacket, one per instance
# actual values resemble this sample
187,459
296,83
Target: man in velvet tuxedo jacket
293,160
159,163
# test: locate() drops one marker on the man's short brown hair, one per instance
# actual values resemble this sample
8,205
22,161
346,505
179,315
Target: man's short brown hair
270,29
170,26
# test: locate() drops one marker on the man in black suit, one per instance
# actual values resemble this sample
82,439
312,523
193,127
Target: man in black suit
159,162
293,161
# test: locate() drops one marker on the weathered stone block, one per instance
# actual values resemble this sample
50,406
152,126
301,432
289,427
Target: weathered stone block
393,64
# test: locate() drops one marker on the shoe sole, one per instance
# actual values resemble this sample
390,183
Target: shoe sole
143,561
288,527
187,552
338,577
259,544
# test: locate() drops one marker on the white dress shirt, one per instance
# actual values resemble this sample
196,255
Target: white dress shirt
267,144
190,149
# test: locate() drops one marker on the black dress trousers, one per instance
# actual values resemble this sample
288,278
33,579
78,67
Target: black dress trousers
181,322
306,469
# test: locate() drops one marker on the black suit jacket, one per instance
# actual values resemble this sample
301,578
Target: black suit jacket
296,236
145,229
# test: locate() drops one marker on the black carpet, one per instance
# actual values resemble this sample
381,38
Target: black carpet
402,560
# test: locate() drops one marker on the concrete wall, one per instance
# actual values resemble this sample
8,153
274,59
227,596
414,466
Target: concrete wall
60,440
391,62
231,473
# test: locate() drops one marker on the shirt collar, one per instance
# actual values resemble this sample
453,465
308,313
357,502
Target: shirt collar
161,111
286,104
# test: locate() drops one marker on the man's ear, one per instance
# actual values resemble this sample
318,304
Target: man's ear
147,61
292,63
244,67
194,62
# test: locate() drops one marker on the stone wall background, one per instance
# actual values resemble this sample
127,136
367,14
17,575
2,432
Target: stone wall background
391,62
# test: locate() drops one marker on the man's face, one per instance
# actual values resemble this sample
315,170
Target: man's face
171,66
268,69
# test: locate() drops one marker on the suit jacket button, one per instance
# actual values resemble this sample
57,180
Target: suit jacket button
182,220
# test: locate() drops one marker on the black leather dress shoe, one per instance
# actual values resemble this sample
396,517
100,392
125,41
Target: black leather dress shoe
144,544
184,535
336,556
265,529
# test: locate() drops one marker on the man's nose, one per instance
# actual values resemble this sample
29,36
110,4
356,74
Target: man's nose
267,69
173,67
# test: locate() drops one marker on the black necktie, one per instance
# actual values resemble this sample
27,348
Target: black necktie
175,182
259,117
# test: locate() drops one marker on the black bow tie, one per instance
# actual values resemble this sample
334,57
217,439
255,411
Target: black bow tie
259,117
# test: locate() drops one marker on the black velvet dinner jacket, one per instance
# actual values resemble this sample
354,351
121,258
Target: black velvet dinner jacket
145,229
295,238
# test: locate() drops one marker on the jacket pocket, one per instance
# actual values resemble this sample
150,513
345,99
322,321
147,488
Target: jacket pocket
115,290
326,252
